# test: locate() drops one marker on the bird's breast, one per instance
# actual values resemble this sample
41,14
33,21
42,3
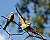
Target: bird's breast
24,26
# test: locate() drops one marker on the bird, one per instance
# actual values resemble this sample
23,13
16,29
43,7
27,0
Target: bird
26,26
9,19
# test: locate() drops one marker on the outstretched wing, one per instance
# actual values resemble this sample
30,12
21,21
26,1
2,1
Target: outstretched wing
20,18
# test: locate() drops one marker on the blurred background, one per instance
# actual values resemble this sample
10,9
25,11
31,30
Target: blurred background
36,12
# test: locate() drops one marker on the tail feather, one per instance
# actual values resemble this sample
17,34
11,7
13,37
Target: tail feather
33,31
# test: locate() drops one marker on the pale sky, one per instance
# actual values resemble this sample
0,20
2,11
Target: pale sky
2,37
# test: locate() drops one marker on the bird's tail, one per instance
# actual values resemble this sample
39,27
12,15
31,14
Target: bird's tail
6,25
34,31
31,30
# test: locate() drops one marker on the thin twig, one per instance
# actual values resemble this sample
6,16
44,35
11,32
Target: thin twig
1,26
17,34
16,23
4,17
12,21
4,30
17,10
33,36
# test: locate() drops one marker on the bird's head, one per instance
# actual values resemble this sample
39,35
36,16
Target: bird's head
12,13
11,16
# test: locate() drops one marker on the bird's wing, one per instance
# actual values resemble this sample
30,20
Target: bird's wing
11,17
20,18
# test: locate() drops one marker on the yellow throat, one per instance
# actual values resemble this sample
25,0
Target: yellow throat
25,26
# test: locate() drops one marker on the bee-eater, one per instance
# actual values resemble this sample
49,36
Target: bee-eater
9,19
26,26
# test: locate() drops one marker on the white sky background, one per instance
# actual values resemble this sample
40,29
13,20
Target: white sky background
2,37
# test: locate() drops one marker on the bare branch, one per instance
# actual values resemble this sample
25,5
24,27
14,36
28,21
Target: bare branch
12,21
17,10
4,17
4,30
16,23
17,34
33,36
